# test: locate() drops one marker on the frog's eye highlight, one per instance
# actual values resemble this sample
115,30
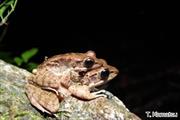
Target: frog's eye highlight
104,74
88,62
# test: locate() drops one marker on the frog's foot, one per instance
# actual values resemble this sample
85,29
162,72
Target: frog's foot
103,93
83,92
90,96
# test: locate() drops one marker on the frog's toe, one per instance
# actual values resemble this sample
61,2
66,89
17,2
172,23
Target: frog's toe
103,93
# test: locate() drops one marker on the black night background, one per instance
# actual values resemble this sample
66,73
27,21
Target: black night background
145,56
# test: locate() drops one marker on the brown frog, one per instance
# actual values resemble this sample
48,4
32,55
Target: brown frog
67,74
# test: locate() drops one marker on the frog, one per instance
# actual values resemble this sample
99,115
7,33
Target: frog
61,70
48,101
64,75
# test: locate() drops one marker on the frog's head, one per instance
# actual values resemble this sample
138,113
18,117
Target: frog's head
99,76
83,62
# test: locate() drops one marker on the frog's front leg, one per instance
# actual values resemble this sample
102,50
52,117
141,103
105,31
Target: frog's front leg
45,101
83,92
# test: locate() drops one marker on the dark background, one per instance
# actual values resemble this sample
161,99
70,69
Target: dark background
146,57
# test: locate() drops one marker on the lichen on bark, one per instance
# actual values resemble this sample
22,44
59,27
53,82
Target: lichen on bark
14,104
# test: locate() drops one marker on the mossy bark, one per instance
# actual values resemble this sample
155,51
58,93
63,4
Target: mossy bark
14,104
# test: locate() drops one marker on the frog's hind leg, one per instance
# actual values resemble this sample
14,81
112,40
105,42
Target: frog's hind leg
50,89
38,106
45,101
32,95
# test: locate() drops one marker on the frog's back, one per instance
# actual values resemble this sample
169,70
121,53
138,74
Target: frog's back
66,59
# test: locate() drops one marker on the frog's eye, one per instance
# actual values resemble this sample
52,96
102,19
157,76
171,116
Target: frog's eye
88,62
104,74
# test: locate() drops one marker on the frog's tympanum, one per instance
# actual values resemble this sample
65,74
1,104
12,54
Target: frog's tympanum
68,74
